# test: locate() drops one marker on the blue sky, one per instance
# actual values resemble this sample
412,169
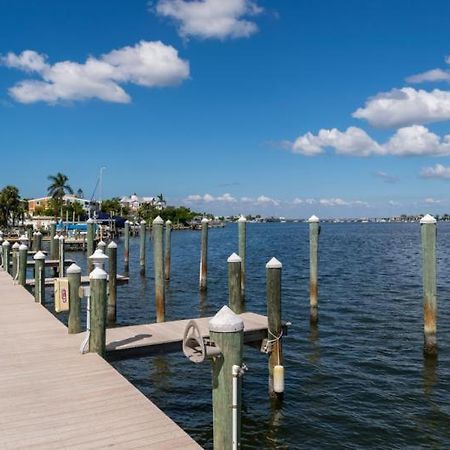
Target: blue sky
286,108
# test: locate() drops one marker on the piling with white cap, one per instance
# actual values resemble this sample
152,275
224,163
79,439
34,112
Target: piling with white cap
112,283
97,335
242,231
167,249
275,329
314,230
53,250
23,256
90,241
74,279
62,256
102,246
142,252
428,233
126,244
39,277
158,263
5,251
227,332
235,299
29,235
204,255
15,259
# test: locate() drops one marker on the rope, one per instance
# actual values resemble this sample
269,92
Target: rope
275,339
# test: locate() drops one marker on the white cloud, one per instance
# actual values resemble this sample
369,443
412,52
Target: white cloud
386,177
429,75
436,171
219,19
393,203
340,202
208,198
149,64
405,106
407,141
431,200
265,201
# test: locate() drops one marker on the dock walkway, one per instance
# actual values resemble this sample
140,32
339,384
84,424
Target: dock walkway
52,397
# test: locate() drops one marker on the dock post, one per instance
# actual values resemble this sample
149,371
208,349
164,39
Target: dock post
90,242
112,283
158,262
74,278
52,241
227,332
37,241
15,260
102,246
242,231
234,284
39,277
428,231
142,255
314,230
275,330
30,234
62,256
23,256
204,255
5,249
126,244
167,249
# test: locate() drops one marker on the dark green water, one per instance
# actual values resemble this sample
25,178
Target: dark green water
358,381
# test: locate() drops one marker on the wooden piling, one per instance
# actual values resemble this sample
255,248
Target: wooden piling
126,244
90,242
5,248
167,249
227,332
112,283
142,252
53,254
204,255
62,256
275,330
235,300
428,232
242,231
102,246
74,278
158,263
23,256
15,260
39,277
29,234
97,334
314,230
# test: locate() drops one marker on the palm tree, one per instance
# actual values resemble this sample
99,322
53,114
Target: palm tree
58,189
161,202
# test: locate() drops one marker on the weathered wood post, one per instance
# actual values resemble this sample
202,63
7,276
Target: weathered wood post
142,255
242,229
167,249
15,260
52,241
126,244
29,234
39,277
102,246
234,284
428,232
158,262
314,230
90,242
112,283
23,256
74,278
275,330
227,332
62,256
5,249
37,241
204,255
98,304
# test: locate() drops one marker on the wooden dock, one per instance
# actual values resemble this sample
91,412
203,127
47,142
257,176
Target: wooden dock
52,397
121,279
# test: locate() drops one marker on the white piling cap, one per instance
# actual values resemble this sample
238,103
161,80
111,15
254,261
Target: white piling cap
242,219
23,238
112,244
73,268
313,219
143,222
56,236
61,238
205,220
98,274
168,222
226,321
16,245
98,256
158,221
38,233
234,258
90,220
127,221
428,219
22,247
101,244
274,264
38,255
5,243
